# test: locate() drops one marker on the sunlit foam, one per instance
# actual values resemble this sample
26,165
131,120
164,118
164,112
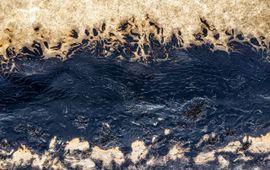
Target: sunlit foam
137,30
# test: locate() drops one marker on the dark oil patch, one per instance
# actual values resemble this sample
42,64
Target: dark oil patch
194,108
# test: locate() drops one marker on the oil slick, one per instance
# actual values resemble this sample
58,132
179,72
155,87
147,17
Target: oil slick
133,31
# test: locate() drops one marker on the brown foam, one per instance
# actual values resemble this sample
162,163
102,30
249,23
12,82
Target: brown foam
57,26
78,154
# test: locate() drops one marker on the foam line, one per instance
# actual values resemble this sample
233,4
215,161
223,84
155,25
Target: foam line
57,26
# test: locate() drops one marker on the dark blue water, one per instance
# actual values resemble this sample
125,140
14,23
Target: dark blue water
112,103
